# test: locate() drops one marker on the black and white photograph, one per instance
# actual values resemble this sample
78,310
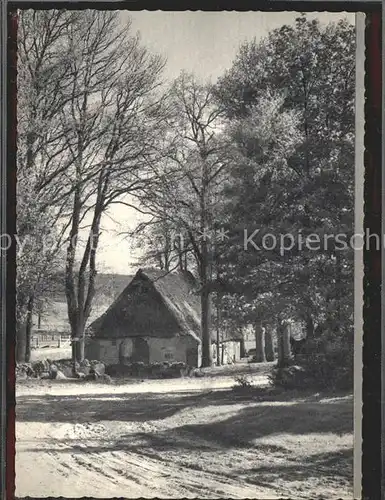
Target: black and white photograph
186,254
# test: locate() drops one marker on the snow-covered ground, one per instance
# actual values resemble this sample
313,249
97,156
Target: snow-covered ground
51,353
179,438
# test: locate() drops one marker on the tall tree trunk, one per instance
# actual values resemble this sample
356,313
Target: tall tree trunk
92,276
259,343
77,346
73,351
204,276
81,351
219,308
39,320
309,327
218,336
79,304
242,345
28,329
180,261
286,342
338,288
205,325
166,264
306,124
179,252
20,342
284,350
269,347
72,304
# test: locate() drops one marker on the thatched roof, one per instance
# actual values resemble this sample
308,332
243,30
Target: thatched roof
154,304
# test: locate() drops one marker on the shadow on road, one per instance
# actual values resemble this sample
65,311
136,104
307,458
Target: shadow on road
338,463
227,433
91,407
254,420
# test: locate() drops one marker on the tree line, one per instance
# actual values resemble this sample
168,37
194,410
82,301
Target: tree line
268,148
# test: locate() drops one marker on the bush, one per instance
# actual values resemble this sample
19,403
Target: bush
97,367
152,370
24,370
118,370
243,383
40,367
289,377
325,362
156,370
92,377
329,362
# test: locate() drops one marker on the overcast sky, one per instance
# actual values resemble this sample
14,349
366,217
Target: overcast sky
204,43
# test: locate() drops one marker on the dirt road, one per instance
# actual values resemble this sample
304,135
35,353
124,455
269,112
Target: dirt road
182,443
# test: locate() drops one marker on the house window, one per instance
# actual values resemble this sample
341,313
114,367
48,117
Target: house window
113,342
168,355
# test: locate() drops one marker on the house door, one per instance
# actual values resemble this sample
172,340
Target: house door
141,351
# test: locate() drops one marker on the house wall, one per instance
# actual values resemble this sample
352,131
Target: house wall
160,350
249,337
105,350
249,344
171,350
199,363
126,348
231,351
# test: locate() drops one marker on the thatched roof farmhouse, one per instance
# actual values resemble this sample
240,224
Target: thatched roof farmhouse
155,304
155,319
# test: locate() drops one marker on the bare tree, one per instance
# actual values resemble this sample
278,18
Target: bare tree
114,118
188,179
43,71
162,241
89,122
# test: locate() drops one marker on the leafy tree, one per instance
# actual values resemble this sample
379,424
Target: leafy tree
313,190
256,196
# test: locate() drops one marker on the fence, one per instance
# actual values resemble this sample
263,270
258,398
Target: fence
50,339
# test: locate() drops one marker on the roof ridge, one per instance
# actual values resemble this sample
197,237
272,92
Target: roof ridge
175,291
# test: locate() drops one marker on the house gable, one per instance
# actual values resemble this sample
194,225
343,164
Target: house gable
150,306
